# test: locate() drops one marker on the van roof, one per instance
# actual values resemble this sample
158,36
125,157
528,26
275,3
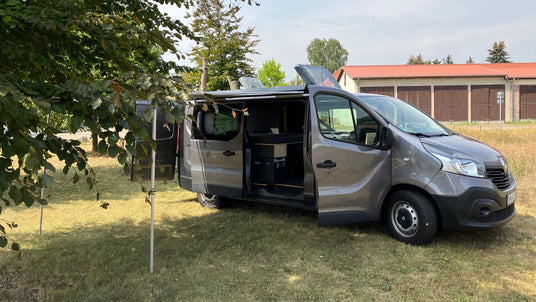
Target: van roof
239,93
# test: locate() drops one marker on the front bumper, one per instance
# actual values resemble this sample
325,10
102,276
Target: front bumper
471,203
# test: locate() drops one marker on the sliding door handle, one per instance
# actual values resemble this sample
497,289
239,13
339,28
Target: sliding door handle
228,153
328,164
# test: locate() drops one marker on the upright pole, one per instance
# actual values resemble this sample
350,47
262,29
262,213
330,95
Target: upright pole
500,115
42,197
43,189
153,170
500,101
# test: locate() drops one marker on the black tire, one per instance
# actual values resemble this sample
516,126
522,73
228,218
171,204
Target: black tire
210,200
411,218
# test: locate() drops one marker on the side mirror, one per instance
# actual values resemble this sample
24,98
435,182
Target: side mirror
387,138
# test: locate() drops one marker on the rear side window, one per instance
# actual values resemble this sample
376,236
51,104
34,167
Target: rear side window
342,120
164,130
218,123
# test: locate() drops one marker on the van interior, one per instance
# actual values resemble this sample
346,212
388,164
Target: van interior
274,149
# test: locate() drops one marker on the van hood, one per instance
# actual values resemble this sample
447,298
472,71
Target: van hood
458,143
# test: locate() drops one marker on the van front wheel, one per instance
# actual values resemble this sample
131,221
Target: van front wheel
210,200
411,218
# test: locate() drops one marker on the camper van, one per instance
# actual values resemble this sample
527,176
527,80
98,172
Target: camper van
349,157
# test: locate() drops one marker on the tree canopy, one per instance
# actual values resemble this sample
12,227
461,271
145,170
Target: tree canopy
419,60
222,42
498,53
90,61
329,54
270,74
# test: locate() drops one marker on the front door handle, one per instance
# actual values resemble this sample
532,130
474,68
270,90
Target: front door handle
228,153
328,164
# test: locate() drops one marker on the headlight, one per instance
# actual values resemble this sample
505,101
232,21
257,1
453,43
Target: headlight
458,163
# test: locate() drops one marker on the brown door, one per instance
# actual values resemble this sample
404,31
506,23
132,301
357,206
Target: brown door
527,101
418,96
450,103
484,105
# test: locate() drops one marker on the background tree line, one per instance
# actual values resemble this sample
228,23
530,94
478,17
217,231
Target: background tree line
497,54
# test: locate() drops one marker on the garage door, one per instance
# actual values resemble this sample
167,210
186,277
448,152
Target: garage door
390,91
484,105
450,103
418,96
527,101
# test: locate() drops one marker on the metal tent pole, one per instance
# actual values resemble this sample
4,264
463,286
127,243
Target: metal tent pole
43,189
153,170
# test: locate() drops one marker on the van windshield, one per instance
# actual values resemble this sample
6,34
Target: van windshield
404,116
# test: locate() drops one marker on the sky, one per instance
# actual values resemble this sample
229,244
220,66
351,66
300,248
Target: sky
387,32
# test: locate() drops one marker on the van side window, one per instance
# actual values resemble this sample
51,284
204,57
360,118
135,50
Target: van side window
217,124
164,130
366,127
343,120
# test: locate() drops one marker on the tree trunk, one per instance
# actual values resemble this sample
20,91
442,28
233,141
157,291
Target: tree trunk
95,143
232,84
203,86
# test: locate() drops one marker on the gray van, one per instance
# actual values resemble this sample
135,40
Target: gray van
349,157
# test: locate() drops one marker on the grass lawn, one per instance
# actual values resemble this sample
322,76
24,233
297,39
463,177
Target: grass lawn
253,252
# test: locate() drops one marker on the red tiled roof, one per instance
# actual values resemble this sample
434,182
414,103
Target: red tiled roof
510,70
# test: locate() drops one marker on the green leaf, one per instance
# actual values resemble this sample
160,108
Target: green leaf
27,198
153,145
3,241
131,149
113,151
179,114
47,180
6,201
15,194
102,146
148,114
76,178
30,161
113,138
144,133
129,138
122,158
96,103
76,122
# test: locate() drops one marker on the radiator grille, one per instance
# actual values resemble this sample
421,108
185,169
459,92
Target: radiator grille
499,178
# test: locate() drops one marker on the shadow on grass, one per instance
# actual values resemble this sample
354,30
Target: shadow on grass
249,251
113,183
514,231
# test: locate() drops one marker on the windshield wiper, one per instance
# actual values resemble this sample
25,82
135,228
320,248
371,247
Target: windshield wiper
420,134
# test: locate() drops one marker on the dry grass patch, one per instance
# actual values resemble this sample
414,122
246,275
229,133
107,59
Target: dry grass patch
252,252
